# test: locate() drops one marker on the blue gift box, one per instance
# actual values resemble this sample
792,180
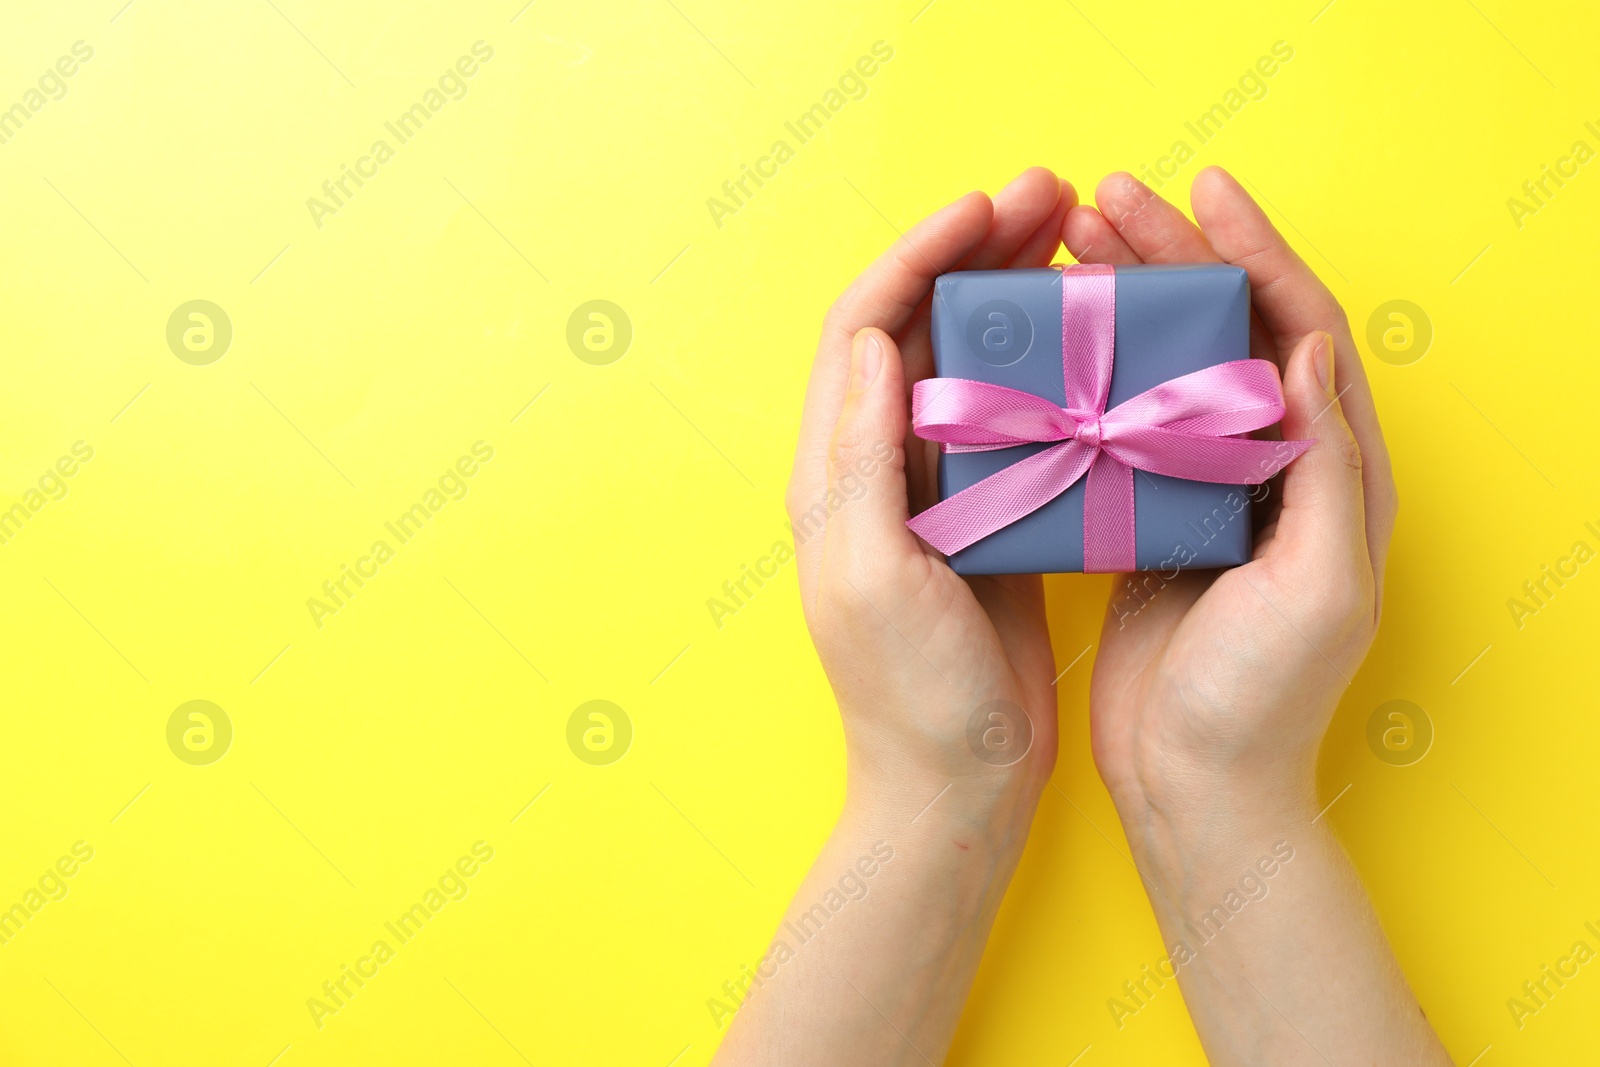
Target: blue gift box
1004,327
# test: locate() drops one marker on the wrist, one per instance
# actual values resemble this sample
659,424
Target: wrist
1185,839
975,825
1158,784
971,814
953,853
978,810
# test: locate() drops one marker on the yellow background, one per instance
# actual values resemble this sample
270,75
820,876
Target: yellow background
368,354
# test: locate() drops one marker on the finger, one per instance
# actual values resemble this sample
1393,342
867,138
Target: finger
1039,250
1091,239
1292,302
864,511
1023,214
1153,228
1322,527
1016,206
887,293
1020,209
885,296
1290,298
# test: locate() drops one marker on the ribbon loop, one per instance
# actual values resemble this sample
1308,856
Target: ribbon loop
980,416
1187,427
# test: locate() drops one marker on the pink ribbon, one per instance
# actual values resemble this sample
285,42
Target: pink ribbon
1183,428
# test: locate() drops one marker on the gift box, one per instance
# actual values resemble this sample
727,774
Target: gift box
1093,419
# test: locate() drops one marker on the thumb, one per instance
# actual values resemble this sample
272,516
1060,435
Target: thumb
866,508
1323,521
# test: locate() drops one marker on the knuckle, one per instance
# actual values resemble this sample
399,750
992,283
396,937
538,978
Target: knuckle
843,315
1389,500
1169,246
1348,606
1261,262
1349,451
907,260
853,589
1331,315
848,444
833,318
1336,324
792,506
1358,603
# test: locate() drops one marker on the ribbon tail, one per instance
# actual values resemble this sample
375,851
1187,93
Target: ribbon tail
1108,518
1226,460
1003,497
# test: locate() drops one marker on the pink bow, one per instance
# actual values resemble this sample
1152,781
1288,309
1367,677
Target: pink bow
1182,428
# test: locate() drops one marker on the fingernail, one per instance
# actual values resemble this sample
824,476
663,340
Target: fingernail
866,357
1322,359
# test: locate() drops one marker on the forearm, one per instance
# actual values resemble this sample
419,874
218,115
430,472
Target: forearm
1275,944
875,955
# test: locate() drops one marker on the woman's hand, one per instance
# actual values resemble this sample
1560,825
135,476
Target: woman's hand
915,653
1209,683
876,953
1211,691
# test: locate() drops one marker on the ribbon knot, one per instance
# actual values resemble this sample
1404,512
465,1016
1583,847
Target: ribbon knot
1088,432
1189,427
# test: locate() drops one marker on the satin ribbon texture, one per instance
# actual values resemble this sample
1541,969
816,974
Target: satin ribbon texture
1187,427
